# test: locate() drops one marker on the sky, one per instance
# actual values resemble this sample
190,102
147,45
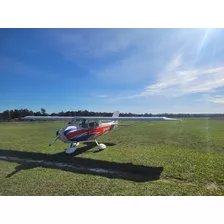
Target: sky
130,70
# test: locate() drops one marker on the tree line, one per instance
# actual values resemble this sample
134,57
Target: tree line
16,115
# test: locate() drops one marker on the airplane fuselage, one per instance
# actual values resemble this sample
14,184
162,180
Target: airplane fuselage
73,133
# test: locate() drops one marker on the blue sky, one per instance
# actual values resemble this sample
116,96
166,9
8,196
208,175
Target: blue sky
130,70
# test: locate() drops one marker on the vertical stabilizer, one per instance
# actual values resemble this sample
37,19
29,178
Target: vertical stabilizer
116,114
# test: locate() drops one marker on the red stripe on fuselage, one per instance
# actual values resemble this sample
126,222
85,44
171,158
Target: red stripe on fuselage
73,134
100,130
96,131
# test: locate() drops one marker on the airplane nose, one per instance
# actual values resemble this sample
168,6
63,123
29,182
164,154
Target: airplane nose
57,132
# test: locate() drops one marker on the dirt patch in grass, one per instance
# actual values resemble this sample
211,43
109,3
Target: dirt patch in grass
212,186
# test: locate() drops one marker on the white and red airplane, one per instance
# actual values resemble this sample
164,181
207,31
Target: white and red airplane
83,128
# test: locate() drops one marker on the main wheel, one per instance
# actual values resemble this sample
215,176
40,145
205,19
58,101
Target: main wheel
101,146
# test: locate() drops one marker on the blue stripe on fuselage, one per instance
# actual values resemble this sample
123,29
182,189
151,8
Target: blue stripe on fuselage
69,130
81,138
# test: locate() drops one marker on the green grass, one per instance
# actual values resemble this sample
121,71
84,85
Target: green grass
150,158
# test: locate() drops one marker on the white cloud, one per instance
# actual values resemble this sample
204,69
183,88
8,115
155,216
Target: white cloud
174,63
175,80
217,100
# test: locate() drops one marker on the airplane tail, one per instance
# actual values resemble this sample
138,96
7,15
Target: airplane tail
116,114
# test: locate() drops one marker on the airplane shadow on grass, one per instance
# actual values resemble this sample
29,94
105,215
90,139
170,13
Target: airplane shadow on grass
70,163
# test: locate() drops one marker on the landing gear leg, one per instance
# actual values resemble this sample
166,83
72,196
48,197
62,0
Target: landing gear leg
100,146
72,148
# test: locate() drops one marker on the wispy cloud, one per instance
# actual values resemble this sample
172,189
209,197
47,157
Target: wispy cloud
177,80
101,96
110,54
151,53
211,97
219,100
96,42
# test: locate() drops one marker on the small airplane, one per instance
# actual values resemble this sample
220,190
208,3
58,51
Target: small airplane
83,128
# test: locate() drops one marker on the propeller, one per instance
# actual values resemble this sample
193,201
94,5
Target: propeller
55,139
57,132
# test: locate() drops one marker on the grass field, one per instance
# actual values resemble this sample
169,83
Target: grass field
149,158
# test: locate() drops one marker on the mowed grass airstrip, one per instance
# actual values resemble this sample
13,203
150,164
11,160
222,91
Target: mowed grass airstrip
149,158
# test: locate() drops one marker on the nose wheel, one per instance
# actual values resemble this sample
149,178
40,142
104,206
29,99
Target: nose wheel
72,148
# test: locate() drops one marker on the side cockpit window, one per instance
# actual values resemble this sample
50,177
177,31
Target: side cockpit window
93,124
84,124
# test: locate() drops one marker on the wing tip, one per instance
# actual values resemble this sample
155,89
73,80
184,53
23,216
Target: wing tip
172,119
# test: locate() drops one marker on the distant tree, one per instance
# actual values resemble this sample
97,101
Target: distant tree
16,114
6,115
68,113
37,113
43,111
61,113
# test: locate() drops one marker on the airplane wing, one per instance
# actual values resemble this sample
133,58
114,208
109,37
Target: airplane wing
65,118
